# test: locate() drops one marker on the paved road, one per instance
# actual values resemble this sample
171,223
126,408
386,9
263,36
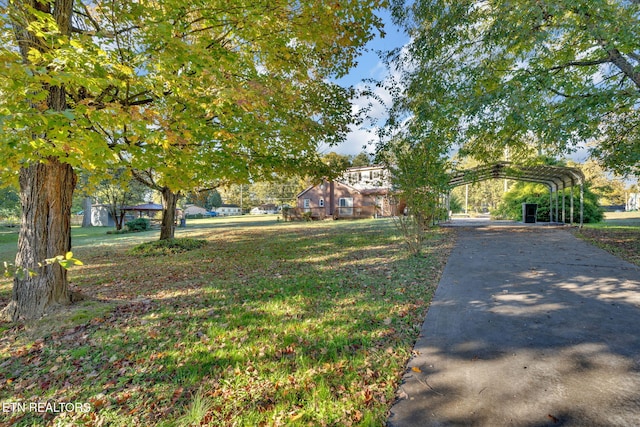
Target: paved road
529,327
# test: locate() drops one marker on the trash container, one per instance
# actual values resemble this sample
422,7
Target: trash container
183,222
529,212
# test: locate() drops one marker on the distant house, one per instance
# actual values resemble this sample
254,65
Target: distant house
361,192
193,210
228,210
268,208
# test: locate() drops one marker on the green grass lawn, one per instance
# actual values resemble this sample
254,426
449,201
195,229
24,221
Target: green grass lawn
263,323
618,234
268,323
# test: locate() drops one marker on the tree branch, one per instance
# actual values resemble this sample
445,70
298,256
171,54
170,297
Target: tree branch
625,66
634,55
87,14
581,63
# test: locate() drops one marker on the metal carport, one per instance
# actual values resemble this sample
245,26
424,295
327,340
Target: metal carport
556,178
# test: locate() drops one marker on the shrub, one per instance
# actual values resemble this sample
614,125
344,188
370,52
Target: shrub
526,192
138,224
285,212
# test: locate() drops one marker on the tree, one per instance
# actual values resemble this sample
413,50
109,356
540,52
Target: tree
527,192
83,201
277,191
192,91
207,199
235,194
118,191
610,191
87,202
479,196
418,174
214,200
504,73
336,164
35,113
9,204
361,159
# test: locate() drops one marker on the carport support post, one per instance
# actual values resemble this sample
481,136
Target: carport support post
564,215
557,207
571,200
581,204
550,203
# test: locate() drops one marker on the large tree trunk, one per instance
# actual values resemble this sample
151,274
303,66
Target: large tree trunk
86,206
46,187
169,203
46,192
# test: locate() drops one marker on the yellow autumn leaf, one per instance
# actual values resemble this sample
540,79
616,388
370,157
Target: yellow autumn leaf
416,369
296,417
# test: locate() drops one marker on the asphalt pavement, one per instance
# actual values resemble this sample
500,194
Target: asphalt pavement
529,327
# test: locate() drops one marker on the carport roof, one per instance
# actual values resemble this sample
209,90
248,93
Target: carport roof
555,177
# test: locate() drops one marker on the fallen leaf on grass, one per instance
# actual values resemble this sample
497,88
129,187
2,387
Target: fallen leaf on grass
296,417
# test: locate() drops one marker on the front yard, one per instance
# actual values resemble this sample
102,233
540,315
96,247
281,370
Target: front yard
271,323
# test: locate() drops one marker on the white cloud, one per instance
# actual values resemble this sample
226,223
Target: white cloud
358,140
374,108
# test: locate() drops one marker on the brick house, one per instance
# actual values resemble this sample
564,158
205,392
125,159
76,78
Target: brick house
361,192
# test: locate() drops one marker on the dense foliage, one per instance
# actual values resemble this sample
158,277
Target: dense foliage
139,224
495,74
9,204
183,93
527,192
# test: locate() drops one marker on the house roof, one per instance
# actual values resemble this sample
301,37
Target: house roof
143,207
366,192
363,168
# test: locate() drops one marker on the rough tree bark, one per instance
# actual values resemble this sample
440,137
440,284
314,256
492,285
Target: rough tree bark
86,206
169,203
46,189
46,192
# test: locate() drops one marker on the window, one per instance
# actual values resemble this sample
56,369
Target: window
321,203
306,204
345,206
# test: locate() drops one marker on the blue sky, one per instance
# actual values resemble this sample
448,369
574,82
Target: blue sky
369,66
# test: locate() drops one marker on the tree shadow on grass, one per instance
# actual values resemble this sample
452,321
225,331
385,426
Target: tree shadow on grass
265,325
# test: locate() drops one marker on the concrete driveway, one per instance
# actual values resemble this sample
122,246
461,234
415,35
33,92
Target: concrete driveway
529,327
